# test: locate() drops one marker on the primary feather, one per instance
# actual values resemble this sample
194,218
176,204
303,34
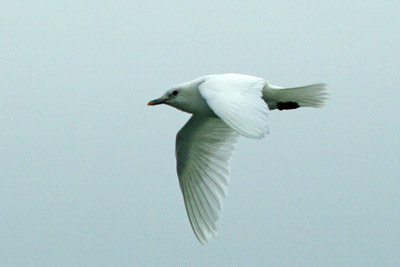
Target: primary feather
204,148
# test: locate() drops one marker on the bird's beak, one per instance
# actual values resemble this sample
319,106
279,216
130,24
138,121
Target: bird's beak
157,101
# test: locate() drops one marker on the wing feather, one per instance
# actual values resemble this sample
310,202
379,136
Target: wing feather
237,100
204,147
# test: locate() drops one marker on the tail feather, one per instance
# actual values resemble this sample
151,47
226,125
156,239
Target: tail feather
314,95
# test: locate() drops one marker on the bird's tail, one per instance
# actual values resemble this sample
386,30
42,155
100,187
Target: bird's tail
314,95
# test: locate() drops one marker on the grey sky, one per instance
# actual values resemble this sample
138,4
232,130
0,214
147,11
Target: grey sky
87,170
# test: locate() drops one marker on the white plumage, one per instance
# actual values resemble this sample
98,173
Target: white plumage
204,147
223,106
237,100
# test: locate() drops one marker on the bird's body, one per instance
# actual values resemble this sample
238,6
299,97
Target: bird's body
223,106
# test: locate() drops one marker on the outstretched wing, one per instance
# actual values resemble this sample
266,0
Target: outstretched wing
237,100
204,147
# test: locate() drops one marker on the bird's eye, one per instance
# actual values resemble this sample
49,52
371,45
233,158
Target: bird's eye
175,92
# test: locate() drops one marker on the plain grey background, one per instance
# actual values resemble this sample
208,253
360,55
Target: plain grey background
87,170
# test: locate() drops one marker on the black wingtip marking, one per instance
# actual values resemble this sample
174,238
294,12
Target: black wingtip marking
287,105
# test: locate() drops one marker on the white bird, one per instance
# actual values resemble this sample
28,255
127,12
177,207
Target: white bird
223,106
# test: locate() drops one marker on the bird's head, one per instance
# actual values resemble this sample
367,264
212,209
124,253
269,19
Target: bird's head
175,97
185,97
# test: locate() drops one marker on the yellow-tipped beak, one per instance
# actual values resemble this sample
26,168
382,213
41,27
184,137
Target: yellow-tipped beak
157,101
